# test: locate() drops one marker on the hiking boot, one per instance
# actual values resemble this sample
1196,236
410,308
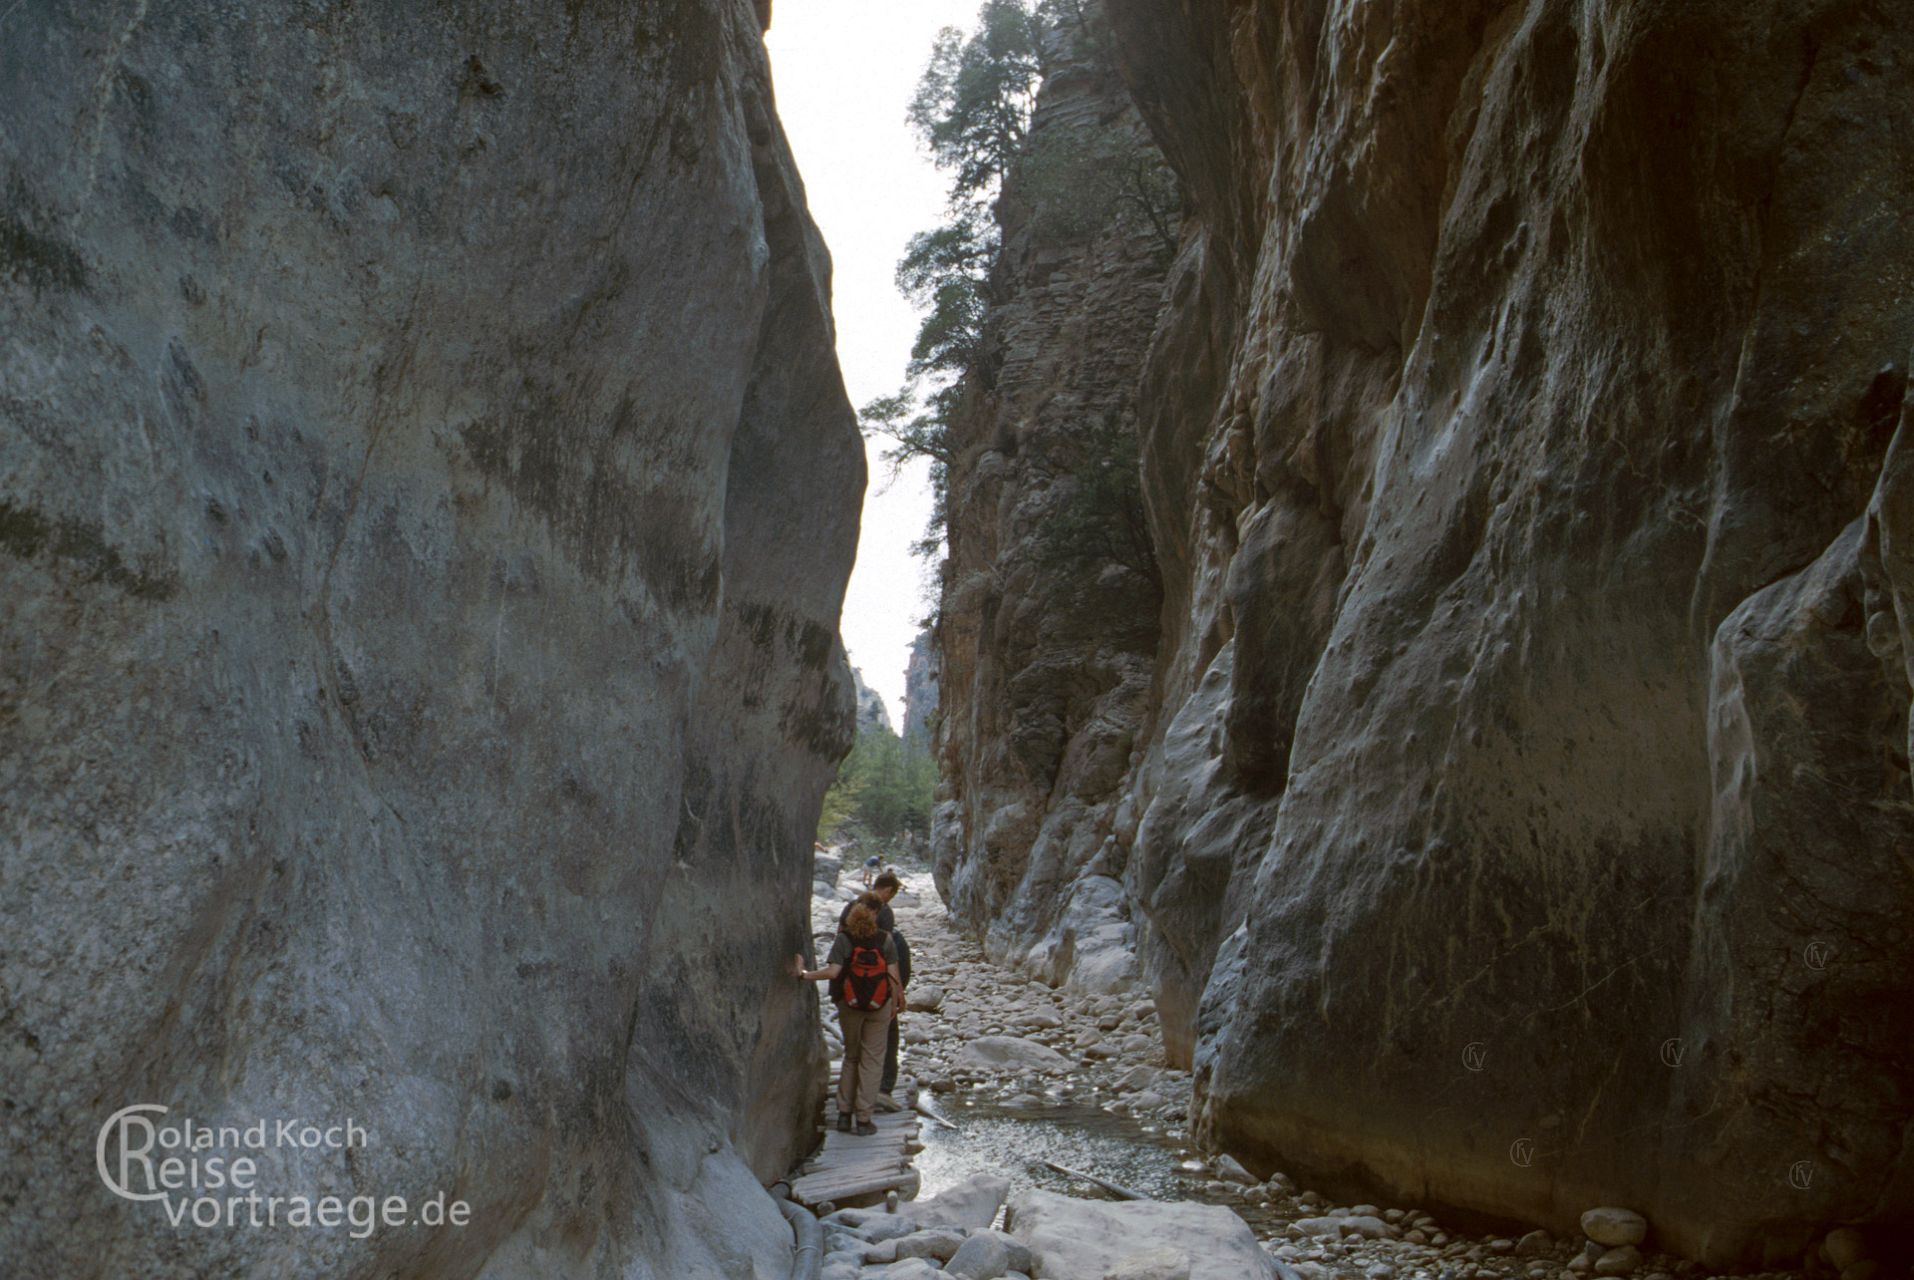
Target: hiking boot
865,1128
887,1103
843,1124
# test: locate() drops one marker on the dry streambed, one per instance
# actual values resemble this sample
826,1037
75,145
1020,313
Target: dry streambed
994,1049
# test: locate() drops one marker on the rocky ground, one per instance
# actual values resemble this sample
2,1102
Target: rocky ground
976,1032
975,1028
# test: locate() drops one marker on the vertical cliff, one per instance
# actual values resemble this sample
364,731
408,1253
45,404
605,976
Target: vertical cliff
1047,623
426,504
872,714
920,691
1533,672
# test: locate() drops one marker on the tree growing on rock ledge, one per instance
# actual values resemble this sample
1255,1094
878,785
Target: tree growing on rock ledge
972,111
973,102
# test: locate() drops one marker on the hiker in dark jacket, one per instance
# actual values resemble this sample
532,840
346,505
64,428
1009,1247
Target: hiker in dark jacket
884,890
867,989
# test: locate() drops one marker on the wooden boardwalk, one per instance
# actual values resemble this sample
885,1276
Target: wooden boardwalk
849,1171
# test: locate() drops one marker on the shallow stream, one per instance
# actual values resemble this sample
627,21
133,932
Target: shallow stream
1010,1123
1014,1143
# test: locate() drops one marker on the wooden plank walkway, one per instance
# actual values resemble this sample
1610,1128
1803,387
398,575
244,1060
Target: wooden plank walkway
850,1171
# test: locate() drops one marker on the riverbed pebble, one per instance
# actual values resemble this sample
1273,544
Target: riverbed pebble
1843,1248
940,1243
910,1269
1618,1261
1614,1226
986,1255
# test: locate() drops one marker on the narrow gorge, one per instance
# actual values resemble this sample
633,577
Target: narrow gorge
1419,668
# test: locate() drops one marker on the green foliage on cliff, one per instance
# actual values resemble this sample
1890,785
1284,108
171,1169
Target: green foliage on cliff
973,102
883,789
973,111
1103,519
1079,182
942,273
918,430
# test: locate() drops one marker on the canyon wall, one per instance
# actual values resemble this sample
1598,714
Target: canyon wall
1503,764
1047,618
920,691
1526,819
872,715
426,504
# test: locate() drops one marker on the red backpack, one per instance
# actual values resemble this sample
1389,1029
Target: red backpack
864,983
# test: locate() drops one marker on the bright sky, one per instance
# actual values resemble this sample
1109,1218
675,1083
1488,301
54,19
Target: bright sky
843,72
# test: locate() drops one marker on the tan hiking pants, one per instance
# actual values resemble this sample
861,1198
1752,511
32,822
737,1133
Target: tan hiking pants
865,1035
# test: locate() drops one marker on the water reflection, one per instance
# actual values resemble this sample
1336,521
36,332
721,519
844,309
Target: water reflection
1014,1142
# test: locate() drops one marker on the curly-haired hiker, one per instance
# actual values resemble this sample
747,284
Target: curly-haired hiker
865,985
886,887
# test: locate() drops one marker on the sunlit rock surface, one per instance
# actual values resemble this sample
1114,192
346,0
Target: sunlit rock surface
426,495
1534,677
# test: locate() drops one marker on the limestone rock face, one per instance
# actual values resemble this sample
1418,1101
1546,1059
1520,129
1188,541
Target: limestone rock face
1534,679
920,691
426,496
872,715
1048,615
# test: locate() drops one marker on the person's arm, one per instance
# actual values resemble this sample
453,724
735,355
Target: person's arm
831,969
814,975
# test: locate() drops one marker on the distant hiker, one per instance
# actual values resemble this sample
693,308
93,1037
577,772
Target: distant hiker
881,893
867,989
871,864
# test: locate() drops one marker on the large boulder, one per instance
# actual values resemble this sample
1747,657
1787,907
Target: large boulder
427,499
1092,944
974,1202
1010,1053
1087,1239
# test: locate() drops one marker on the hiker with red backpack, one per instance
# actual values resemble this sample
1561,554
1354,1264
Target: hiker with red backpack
866,987
887,887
